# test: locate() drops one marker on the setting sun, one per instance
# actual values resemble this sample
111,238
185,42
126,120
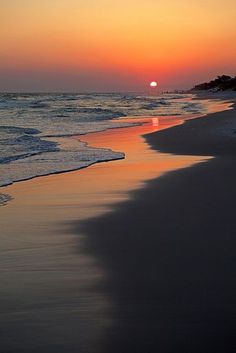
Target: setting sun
117,176
153,84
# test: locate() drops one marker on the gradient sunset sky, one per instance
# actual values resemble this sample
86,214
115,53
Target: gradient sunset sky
109,45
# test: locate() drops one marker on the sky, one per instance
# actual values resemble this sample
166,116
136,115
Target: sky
109,45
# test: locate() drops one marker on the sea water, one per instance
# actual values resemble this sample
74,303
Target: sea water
36,130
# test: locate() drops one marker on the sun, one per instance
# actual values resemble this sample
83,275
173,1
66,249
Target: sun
153,84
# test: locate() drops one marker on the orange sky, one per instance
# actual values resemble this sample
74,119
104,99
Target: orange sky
114,45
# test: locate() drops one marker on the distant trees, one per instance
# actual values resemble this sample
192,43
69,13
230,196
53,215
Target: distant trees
221,83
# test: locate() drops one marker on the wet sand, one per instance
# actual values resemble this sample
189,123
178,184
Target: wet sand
88,265
171,259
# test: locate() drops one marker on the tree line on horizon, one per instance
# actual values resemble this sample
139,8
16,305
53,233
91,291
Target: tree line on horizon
221,83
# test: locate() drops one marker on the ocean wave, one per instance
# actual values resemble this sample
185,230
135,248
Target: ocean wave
4,199
54,163
192,107
16,130
90,113
21,143
35,128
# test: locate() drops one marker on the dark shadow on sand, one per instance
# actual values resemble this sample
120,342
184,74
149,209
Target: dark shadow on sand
169,252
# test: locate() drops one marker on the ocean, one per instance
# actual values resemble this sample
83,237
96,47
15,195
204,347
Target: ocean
36,130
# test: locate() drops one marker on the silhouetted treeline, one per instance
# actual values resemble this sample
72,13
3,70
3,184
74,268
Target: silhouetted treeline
221,83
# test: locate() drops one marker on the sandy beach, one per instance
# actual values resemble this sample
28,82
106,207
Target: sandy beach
133,255
117,176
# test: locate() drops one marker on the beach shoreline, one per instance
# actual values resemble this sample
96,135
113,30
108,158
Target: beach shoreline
30,166
171,248
128,251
